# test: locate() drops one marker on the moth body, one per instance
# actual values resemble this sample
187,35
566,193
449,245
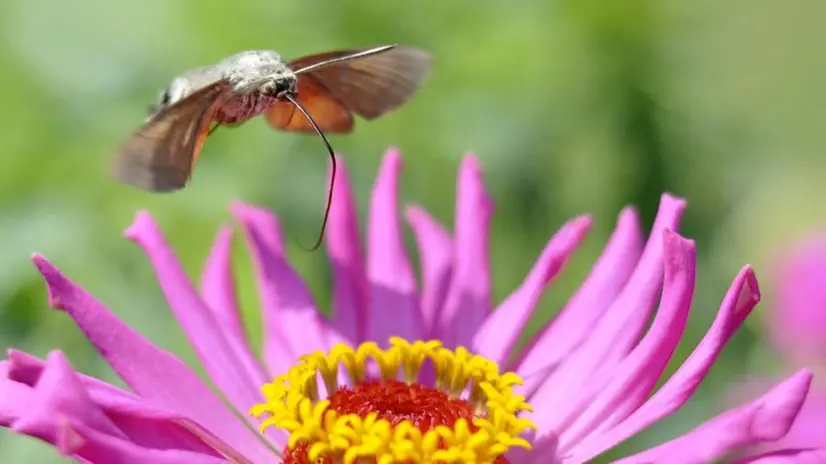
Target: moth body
256,79
316,93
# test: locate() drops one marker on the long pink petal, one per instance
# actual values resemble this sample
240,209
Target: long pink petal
436,254
766,419
14,397
142,422
349,315
468,300
218,285
794,456
618,330
216,353
290,315
740,299
394,305
639,371
574,322
500,332
59,402
218,292
59,396
91,446
153,373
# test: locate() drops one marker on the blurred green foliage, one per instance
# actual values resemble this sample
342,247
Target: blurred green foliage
572,106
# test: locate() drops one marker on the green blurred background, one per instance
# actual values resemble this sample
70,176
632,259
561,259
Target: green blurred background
572,106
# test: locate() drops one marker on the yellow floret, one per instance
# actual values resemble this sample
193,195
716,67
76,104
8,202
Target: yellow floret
292,403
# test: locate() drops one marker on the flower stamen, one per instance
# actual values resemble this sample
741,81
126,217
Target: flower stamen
472,414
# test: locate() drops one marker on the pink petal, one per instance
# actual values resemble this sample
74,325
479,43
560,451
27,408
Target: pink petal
740,299
618,331
797,320
349,315
543,450
93,446
468,298
143,423
59,396
502,329
290,315
218,292
575,321
436,254
218,356
218,286
766,419
639,371
394,306
155,374
14,397
797,456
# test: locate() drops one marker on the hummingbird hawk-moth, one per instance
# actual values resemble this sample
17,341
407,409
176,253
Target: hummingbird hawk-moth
327,89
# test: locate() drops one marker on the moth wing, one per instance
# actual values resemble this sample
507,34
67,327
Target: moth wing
160,156
370,85
330,115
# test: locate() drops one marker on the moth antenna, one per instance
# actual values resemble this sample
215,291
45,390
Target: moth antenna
306,114
345,58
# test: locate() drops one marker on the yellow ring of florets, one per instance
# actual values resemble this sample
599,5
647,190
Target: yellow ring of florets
292,400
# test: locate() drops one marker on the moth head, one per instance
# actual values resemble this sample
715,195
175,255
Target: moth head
279,83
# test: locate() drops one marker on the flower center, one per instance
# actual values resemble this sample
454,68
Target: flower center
395,402
469,415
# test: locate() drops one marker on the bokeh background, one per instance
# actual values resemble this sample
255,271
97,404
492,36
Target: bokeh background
572,107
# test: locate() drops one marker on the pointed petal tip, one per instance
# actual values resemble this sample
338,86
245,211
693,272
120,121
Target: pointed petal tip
224,234
778,409
628,214
249,212
40,261
68,440
575,229
391,163
341,170
142,223
583,220
392,151
671,198
798,382
57,357
471,162
752,284
673,238
392,159
56,282
413,210
415,214
237,207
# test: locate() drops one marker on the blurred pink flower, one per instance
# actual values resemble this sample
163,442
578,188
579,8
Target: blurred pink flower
590,375
797,323
809,428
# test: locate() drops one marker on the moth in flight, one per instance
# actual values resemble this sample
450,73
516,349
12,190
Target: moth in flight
317,93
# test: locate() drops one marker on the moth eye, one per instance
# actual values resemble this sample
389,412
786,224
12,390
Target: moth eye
165,98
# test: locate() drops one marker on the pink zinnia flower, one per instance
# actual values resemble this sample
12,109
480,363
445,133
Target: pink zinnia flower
797,321
343,394
796,325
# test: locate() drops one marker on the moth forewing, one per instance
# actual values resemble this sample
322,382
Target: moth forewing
160,156
368,82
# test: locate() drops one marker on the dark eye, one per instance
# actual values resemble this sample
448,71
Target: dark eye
165,97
